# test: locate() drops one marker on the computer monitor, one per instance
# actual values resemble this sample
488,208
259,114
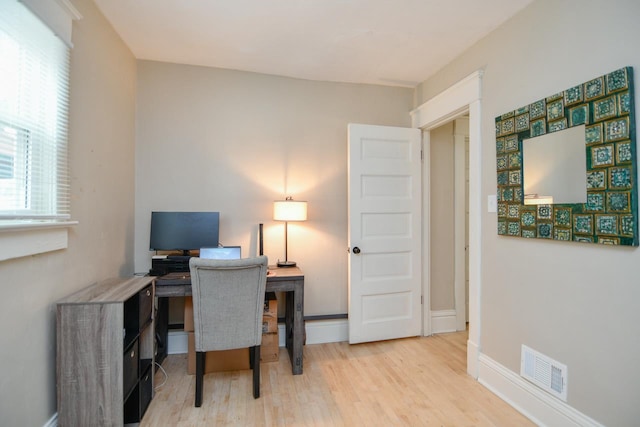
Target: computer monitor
183,231
226,252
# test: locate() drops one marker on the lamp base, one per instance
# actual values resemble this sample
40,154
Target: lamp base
286,264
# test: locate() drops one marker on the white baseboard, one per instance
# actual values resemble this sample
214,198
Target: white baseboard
325,331
318,332
177,342
536,404
443,321
53,421
281,336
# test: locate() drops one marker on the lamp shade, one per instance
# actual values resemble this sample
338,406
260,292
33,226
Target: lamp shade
289,210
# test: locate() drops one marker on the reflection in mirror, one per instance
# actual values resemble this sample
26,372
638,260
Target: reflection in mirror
555,167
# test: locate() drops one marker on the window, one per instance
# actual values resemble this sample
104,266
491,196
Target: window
34,99
14,164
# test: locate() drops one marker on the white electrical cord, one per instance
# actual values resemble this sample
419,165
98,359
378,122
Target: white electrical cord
165,376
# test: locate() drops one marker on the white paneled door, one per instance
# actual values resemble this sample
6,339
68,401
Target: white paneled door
385,284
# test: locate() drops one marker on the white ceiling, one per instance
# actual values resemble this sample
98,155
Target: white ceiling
387,42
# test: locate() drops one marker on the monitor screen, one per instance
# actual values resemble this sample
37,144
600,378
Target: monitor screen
183,231
226,252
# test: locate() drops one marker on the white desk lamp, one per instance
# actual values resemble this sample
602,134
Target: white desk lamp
288,210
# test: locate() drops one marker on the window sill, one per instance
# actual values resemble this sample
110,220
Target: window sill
20,239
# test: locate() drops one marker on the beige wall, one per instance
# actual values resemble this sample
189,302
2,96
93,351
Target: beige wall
230,141
233,142
442,218
101,154
576,303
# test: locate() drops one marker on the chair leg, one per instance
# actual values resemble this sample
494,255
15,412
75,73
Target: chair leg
256,371
200,357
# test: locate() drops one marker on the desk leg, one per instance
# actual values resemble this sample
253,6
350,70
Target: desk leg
162,328
294,321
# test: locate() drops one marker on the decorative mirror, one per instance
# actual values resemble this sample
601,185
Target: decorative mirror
566,165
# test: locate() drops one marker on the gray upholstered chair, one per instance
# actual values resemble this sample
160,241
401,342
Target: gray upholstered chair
228,300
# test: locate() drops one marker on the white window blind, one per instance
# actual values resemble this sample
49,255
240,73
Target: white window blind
34,100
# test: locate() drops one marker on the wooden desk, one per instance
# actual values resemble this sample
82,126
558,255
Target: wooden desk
289,280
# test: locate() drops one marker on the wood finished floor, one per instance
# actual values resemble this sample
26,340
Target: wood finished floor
408,382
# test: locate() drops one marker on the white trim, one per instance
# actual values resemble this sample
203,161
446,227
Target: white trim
475,229
20,240
58,15
282,337
443,321
324,331
449,104
427,327
11,226
529,399
473,354
461,131
317,332
70,9
462,96
52,422
177,342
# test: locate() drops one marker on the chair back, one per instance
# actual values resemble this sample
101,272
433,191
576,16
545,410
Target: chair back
228,301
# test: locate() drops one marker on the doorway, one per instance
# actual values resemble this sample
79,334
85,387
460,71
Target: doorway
462,98
449,225
461,168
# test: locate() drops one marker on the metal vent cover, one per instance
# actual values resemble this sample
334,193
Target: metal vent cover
548,374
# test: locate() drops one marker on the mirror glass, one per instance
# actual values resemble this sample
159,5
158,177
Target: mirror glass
554,167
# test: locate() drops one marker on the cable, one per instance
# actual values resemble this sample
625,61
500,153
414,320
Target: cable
165,376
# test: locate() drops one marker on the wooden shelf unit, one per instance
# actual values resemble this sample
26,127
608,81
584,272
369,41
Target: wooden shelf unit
105,353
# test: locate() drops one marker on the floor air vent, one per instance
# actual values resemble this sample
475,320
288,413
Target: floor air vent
544,372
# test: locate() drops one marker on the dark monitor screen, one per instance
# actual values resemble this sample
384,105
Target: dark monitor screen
184,231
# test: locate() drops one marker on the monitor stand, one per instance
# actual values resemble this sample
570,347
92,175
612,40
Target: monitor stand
184,257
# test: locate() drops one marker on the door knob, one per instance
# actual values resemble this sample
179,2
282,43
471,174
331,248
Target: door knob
356,250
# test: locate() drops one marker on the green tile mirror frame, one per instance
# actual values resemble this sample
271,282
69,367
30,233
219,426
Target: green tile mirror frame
605,107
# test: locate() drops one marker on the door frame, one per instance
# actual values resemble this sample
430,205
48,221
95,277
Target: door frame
461,98
460,220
